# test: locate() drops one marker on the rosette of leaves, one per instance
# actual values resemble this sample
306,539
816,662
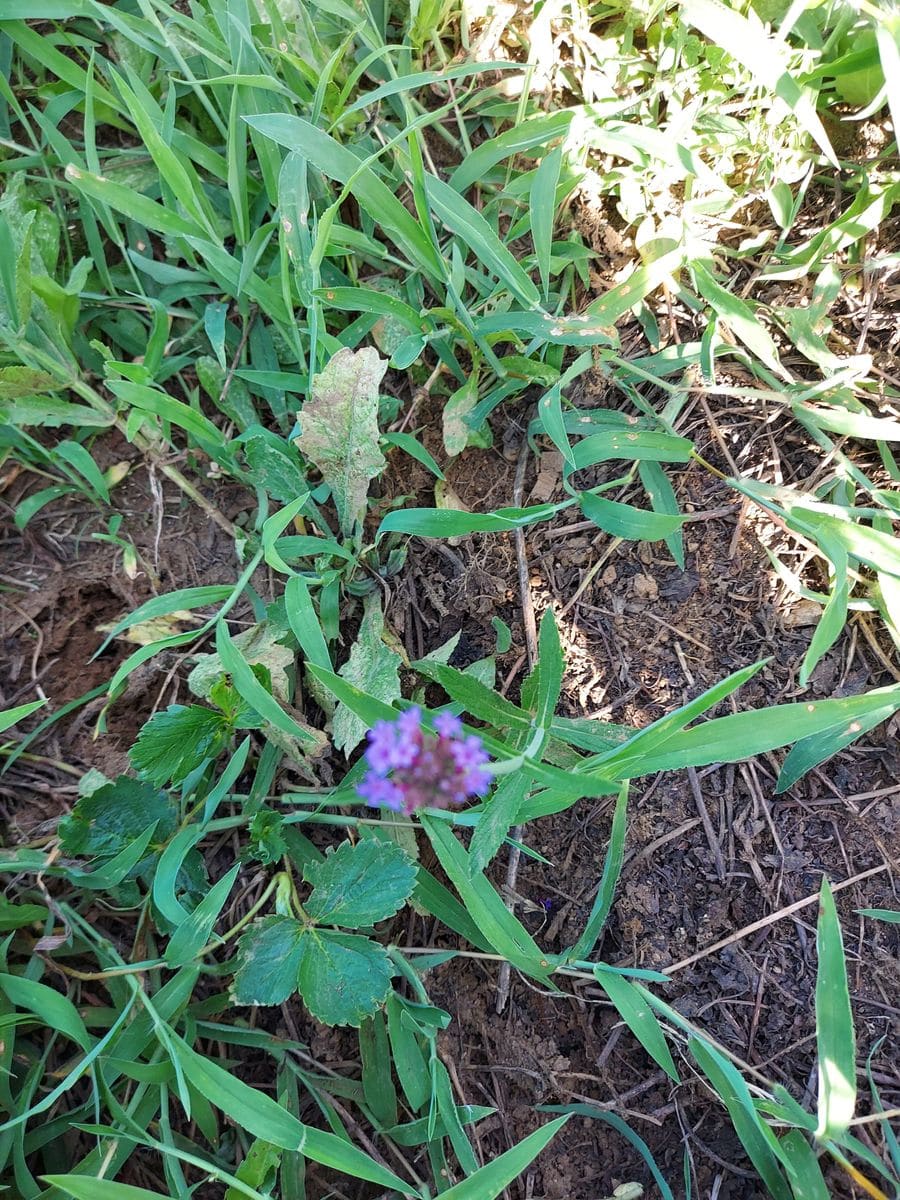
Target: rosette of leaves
342,977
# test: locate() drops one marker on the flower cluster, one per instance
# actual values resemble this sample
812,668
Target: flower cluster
411,767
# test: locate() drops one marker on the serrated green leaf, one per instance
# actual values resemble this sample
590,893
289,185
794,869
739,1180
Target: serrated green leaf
343,977
112,817
268,962
339,429
16,382
174,743
373,667
359,885
274,465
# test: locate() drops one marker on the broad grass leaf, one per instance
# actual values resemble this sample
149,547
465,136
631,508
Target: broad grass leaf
612,869
339,429
549,409
478,699
834,616
550,668
374,668
616,1122
635,444
343,977
250,689
739,317
268,962
415,449
262,1117
467,223
83,1187
356,886
487,910
162,606
638,1016
192,935
13,715
802,1167
447,522
892,916
524,136
810,751
835,1035
131,203
756,1137
489,1181
499,814
887,35
18,916
662,500
741,735
626,522
341,164
542,209
53,1008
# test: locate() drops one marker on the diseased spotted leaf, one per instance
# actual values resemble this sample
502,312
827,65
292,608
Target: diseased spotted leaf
16,382
259,646
358,885
177,741
339,429
109,819
374,668
268,962
343,977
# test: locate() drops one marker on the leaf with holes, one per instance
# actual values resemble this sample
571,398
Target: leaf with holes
339,429
374,668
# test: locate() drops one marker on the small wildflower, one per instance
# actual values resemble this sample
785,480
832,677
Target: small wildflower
411,767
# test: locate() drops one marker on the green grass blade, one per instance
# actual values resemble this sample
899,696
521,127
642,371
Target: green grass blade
835,1034
612,868
490,1180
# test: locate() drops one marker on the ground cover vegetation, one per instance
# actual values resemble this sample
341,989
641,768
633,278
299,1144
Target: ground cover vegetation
326,286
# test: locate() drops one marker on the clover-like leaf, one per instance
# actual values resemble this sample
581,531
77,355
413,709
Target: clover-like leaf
343,977
177,741
358,885
110,818
374,668
339,429
268,961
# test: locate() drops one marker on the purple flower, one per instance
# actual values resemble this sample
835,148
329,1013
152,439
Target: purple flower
411,767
